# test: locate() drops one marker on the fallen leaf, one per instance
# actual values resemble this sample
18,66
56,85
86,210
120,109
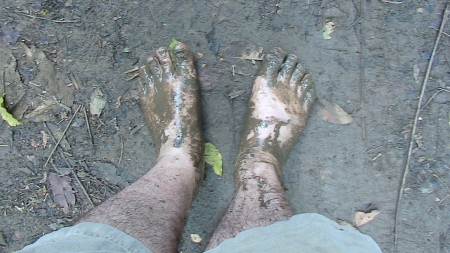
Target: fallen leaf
63,193
213,158
43,112
333,113
196,238
416,72
328,29
362,218
6,115
98,102
44,139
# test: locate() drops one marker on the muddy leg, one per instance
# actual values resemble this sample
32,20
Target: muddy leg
154,208
281,99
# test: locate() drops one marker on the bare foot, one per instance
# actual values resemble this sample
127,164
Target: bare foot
281,99
170,99
153,209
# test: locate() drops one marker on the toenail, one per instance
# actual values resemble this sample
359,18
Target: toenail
162,51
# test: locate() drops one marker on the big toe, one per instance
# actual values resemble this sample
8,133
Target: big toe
272,64
183,59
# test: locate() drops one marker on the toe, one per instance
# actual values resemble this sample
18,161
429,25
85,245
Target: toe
272,64
154,68
146,81
164,59
298,74
304,86
287,68
183,60
310,97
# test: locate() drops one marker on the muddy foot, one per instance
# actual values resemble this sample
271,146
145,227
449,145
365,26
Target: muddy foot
281,99
170,99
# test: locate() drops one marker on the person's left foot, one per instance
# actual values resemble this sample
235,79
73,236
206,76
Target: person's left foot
170,100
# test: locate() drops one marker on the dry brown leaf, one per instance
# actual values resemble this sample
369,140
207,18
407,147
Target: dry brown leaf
333,113
362,218
62,191
44,139
196,238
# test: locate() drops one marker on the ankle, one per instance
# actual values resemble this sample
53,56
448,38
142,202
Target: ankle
254,162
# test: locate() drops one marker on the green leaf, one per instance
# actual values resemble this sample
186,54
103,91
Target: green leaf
172,45
6,115
213,158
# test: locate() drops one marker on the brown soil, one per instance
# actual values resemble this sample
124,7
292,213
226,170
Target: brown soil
56,54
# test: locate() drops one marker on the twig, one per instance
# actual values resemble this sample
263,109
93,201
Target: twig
414,127
390,2
121,151
88,125
62,136
81,186
442,181
434,95
135,69
446,34
47,19
361,67
135,72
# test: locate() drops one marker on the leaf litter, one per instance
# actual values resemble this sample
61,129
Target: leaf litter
62,191
333,113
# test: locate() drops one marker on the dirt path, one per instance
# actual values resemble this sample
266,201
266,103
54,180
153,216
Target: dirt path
58,55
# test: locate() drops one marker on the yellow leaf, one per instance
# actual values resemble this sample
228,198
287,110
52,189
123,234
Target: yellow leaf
213,158
6,115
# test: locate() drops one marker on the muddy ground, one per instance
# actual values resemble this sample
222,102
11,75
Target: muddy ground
58,55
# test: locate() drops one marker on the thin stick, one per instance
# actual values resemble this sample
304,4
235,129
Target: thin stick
390,2
80,185
47,19
434,95
361,68
88,126
414,128
442,181
121,151
62,136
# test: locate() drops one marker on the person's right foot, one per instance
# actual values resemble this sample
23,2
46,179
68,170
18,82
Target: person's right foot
170,100
281,99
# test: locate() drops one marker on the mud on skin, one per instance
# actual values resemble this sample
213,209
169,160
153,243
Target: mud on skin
282,97
170,99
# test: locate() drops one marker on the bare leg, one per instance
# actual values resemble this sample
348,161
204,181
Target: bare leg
154,208
281,99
